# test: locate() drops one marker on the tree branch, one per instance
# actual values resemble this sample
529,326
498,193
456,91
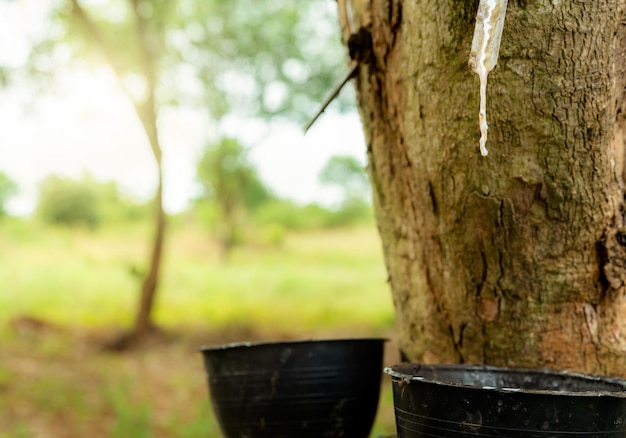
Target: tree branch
146,111
96,36
333,94
147,55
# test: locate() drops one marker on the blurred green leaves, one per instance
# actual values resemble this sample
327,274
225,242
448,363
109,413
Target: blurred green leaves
262,59
67,202
347,173
244,57
86,202
276,58
230,181
227,177
8,188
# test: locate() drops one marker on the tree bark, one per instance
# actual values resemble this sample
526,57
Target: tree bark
517,258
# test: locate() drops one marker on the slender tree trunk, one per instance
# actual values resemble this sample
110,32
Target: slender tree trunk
144,323
147,112
143,319
517,258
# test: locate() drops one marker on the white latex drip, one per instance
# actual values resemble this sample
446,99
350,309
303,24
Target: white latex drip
484,54
482,115
482,74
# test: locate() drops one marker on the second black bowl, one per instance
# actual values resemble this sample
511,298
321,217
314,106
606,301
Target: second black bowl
451,401
316,388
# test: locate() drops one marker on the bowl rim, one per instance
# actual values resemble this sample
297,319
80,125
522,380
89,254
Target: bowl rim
409,378
290,342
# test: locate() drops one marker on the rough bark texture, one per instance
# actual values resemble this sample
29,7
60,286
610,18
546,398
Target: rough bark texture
517,258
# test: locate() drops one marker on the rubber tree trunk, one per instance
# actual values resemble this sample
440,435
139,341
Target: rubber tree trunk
517,258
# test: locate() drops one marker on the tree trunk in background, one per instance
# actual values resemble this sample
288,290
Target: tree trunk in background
144,322
143,319
147,112
148,115
517,258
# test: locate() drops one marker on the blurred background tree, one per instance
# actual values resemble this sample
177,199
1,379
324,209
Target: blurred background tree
4,76
130,37
347,176
86,202
68,283
222,57
8,188
276,59
64,201
231,182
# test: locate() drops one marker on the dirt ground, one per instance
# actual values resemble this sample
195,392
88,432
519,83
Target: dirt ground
61,383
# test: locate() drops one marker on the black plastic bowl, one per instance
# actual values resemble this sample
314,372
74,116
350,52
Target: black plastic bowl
455,401
316,388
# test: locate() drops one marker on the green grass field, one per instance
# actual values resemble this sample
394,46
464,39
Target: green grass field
65,293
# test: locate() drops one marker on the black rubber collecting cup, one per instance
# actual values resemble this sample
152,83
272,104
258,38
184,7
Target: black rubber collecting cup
313,388
480,401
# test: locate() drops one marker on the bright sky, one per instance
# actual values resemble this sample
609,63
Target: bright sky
88,125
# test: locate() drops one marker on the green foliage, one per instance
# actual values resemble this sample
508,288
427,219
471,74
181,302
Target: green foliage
8,188
353,211
131,418
131,36
20,431
347,173
263,59
325,284
4,76
343,270
293,216
278,57
86,202
63,201
237,197
231,182
116,207
228,177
